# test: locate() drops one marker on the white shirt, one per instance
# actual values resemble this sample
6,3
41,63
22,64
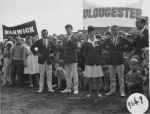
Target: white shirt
115,39
92,42
45,41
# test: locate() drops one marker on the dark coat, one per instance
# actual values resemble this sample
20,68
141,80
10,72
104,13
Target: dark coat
114,55
92,55
43,52
142,42
69,50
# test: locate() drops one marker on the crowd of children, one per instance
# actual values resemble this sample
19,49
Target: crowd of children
102,60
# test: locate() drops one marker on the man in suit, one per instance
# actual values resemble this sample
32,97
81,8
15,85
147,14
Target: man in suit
69,57
45,51
142,35
116,61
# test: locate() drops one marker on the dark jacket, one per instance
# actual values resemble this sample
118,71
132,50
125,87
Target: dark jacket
92,55
142,42
69,50
114,54
44,54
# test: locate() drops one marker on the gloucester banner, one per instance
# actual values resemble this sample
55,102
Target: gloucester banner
28,28
102,13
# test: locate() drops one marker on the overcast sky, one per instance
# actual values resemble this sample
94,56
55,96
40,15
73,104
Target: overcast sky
50,14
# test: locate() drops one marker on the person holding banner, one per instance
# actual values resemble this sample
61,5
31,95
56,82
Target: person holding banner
116,61
45,50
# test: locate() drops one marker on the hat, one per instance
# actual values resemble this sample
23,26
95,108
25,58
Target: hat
90,29
9,43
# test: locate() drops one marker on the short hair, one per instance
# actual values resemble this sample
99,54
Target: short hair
68,26
90,29
114,27
44,30
107,33
143,21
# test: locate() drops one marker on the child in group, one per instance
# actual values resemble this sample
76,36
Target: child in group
60,74
1,60
93,70
106,60
7,63
31,68
135,76
145,65
59,70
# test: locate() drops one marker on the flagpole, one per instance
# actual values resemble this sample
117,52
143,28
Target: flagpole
83,4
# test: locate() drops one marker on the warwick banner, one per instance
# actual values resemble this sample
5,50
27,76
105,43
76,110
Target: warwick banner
28,28
103,13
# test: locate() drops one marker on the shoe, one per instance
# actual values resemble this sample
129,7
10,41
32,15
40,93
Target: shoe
88,96
99,95
51,90
40,91
123,95
75,92
66,91
109,93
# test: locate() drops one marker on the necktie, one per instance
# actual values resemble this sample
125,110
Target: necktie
115,40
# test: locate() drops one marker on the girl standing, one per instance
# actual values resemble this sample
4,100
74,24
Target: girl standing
93,70
31,62
7,63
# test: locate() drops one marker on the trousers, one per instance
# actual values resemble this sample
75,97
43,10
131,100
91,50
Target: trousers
71,76
119,70
48,69
17,70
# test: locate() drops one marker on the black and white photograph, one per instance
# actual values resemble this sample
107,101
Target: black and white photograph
74,57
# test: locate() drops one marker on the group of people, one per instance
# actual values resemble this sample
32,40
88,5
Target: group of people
96,60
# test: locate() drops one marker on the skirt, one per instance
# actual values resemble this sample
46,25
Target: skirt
32,65
93,71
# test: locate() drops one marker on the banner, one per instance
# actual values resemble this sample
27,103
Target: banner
22,30
103,13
